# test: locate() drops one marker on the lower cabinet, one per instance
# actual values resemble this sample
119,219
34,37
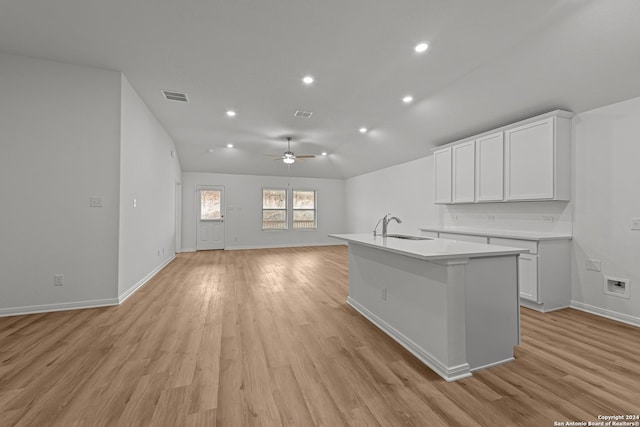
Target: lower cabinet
543,274
528,276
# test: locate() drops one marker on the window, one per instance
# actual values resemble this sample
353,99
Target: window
210,205
304,210
274,209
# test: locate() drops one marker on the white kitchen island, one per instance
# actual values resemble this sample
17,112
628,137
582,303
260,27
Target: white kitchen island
453,304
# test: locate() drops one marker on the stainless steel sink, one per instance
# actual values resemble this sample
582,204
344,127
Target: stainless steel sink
407,237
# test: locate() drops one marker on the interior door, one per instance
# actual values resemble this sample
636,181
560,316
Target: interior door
210,218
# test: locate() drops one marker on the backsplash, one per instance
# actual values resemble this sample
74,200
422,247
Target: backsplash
550,216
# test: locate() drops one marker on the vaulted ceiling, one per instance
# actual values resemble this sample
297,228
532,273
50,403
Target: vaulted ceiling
489,63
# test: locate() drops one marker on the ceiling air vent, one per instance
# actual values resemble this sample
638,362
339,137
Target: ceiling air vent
175,96
303,114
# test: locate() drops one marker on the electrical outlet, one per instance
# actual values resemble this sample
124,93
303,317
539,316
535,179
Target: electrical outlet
593,265
635,223
58,280
95,202
135,203
383,294
454,217
491,218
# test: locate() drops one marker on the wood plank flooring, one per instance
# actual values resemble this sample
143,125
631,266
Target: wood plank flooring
265,338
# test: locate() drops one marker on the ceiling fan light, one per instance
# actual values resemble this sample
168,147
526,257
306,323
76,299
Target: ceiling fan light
288,160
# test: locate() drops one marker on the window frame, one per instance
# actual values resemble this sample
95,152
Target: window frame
315,209
285,210
202,189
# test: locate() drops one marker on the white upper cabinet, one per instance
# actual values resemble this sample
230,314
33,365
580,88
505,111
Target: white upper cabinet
528,160
537,160
464,164
490,168
442,175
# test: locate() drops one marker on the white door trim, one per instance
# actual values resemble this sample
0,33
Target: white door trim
201,187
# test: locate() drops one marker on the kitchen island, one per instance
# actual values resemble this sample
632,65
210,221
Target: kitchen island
452,304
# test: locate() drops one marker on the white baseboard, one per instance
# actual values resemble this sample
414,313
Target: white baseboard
45,308
538,306
78,305
126,294
282,245
187,250
609,314
449,373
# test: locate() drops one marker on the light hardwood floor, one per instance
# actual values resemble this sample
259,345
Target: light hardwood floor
264,337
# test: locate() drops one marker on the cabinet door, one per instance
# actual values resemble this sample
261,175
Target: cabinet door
528,276
490,168
464,165
529,151
442,175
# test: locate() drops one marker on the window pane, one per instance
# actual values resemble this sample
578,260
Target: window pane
210,204
274,219
274,199
304,199
304,215
304,219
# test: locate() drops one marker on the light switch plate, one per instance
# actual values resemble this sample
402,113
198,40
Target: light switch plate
635,223
593,265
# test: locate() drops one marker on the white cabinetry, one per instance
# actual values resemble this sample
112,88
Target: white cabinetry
490,168
543,274
442,168
464,163
528,276
527,160
537,160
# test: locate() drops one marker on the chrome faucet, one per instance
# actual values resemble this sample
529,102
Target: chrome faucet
385,224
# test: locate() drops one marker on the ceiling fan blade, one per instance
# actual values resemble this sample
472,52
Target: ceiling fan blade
306,156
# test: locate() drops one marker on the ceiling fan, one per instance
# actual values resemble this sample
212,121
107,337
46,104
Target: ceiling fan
288,157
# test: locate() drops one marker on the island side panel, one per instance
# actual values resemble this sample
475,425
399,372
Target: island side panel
493,326
408,298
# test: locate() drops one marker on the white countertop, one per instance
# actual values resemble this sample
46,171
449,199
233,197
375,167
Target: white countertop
507,234
433,249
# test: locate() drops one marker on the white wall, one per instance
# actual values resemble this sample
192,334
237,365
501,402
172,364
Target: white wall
404,190
243,219
529,216
148,174
60,140
606,196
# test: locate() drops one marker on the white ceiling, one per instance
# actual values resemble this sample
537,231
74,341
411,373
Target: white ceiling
489,63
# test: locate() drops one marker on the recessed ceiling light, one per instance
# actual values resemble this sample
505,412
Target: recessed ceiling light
407,99
229,145
363,130
324,153
231,113
211,150
307,80
421,47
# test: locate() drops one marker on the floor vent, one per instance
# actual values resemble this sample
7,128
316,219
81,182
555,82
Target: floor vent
175,96
303,114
